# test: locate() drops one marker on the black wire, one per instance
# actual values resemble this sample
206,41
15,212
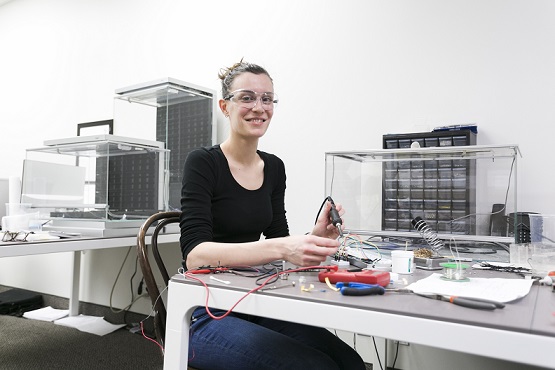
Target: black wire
132,292
321,207
248,271
260,273
514,269
396,353
276,264
332,174
132,276
500,246
267,275
504,204
377,355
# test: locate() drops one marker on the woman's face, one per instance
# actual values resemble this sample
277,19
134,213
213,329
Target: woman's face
249,122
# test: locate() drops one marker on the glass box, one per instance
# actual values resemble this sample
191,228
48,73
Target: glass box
463,193
101,177
177,113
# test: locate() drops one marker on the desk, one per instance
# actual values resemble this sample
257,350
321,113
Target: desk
75,245
521,332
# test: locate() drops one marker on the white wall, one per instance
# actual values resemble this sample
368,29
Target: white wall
347,72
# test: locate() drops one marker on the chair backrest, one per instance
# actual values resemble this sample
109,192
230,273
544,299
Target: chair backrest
159,220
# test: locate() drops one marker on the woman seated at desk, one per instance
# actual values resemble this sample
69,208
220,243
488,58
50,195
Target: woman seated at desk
232,194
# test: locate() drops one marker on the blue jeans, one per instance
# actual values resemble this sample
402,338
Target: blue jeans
249,342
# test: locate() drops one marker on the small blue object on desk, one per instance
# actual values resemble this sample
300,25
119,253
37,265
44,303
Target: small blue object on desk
359,289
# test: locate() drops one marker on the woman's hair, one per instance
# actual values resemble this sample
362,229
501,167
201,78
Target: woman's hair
228,74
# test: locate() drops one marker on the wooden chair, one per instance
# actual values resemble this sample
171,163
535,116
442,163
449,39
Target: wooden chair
160,220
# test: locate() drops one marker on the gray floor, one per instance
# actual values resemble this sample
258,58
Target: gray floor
32,344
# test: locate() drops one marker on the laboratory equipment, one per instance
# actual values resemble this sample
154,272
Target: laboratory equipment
96,184
451,188
180,114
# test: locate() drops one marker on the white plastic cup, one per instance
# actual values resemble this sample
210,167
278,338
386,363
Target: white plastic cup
16,209
402,262
16,223
19,217
542,228
542,237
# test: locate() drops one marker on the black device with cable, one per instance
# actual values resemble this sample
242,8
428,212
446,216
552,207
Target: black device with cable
334,215
335,218
519,226
16,302
498,220
336,221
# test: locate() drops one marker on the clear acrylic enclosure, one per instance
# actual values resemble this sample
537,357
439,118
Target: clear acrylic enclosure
460,192
101,177
177,113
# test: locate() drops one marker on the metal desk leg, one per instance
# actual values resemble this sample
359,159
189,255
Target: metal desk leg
74,293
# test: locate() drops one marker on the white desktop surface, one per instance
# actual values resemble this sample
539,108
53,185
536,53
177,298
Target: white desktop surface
517,331
75,245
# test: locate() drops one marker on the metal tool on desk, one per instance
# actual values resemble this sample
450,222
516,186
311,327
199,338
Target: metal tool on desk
358,289
470,302
273,287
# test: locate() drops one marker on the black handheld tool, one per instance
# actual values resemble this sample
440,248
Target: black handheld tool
358,289
470,302
481,304
335,218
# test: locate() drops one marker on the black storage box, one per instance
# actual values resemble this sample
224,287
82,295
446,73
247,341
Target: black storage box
15,302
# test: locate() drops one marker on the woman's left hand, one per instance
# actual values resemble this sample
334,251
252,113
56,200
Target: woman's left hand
324,227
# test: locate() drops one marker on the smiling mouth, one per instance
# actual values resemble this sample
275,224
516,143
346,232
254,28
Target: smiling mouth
256,120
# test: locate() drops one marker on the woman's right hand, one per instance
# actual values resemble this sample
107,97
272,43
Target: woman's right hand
308,250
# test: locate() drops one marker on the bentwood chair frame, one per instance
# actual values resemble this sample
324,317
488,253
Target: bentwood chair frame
159,221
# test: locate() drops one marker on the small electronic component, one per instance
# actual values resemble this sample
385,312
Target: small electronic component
273,287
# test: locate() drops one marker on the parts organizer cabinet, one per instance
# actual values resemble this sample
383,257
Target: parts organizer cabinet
441,192
367,184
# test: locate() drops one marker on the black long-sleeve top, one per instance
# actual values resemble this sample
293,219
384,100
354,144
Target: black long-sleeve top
216,208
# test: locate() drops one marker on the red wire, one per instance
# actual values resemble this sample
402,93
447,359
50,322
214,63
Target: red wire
150,339
190,275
